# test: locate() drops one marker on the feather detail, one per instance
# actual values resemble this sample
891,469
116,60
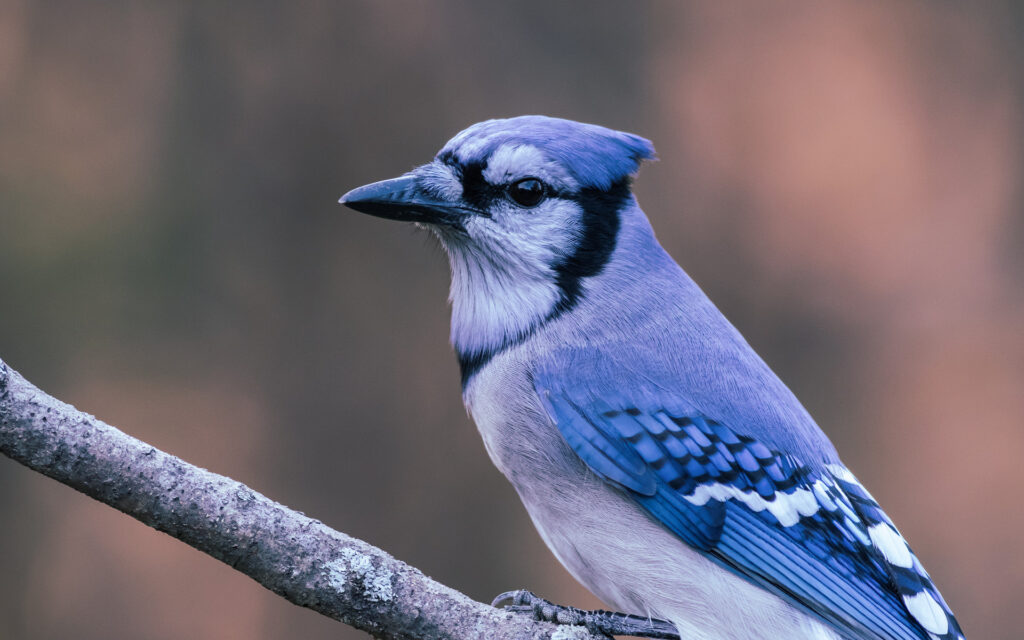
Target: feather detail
814,536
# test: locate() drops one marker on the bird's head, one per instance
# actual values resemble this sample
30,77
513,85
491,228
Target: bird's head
528,209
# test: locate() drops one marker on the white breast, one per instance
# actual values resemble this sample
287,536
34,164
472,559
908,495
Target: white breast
607,541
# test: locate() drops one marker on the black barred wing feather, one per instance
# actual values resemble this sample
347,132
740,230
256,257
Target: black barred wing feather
815,537
907,576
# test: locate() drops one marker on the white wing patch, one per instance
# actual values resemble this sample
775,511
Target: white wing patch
892,545
789,506
786,507
841,472
927,612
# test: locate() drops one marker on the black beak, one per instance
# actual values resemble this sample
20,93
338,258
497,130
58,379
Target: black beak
402,199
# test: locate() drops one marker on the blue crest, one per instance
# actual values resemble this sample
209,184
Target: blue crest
595,156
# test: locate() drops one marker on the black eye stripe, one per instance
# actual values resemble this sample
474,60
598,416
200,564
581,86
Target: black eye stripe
481,194
476,191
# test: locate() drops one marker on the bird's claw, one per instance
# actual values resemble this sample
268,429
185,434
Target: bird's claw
515,598
607,623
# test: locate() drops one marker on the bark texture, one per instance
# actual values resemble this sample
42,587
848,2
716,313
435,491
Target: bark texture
295,556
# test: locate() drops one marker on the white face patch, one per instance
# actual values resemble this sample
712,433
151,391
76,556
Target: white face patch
510,162
503,277
506,264
439,180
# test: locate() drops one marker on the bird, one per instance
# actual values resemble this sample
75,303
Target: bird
661,460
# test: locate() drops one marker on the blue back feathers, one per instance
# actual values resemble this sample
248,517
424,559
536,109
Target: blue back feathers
595,156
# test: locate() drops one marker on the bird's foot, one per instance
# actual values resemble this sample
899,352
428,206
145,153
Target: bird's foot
608,623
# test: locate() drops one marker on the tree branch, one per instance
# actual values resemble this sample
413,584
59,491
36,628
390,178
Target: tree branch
294,556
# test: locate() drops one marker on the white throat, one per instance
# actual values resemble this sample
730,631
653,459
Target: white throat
497,296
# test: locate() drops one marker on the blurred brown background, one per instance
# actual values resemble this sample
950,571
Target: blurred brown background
843,179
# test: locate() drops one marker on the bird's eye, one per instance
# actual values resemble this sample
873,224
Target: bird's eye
528,192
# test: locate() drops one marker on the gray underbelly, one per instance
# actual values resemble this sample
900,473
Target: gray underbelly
635,565
608,542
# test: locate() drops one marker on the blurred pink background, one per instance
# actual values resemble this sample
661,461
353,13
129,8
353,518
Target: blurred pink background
842,178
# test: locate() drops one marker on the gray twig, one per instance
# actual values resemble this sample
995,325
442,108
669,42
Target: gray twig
294,556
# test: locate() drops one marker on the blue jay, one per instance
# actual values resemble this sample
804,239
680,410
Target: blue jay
661,460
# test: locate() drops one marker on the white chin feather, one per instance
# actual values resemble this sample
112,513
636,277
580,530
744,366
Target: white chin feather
493,307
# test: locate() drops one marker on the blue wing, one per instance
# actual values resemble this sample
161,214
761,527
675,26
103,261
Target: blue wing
815,537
